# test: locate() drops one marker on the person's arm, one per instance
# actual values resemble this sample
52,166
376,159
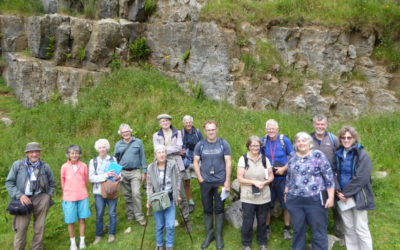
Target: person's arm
143,162
270,173
328,176
228,170
11,182
361,178
331,198
196,166
175,172
62,177
149,189
177,147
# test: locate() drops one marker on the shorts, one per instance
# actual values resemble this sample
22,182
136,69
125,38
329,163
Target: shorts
188,173
277,190
74,210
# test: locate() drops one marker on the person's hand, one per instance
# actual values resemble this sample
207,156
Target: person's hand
148,206
200,179
341,196
116,177
279,170
25,200
329,202
179,200
143,177
259,184
110,173
227,185
183,151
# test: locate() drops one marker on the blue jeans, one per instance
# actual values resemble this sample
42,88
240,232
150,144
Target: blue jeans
308,210
165,218
100,204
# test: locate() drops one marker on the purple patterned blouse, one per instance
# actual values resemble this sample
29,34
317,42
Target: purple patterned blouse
309,175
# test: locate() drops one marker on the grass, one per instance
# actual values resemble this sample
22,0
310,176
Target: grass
27,7
136,97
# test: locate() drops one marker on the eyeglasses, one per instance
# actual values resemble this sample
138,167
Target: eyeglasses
254,146
210,130
348,138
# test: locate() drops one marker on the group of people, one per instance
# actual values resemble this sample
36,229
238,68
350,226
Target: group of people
317,172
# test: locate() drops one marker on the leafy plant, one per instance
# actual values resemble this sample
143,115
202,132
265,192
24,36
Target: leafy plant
138,50
150,6
81,53
115,63
51,47
186,56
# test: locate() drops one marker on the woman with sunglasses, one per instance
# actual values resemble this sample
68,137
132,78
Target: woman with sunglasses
354,169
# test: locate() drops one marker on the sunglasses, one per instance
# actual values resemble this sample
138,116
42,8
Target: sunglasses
344,138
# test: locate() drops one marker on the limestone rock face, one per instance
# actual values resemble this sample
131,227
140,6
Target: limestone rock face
107,9
132,10
13,37
50,6
35,80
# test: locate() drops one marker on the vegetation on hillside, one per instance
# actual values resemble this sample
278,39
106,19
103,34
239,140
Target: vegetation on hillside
136,97
380,16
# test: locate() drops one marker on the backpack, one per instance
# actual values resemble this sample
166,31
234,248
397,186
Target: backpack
281,140
109,188
332,139
221,143
246,161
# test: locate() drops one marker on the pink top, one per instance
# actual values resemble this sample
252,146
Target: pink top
73,184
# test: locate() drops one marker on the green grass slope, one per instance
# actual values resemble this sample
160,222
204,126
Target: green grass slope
136,97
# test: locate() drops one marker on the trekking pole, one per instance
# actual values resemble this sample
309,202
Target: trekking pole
184,223
145,226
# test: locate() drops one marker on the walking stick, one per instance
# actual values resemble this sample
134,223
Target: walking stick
145,226
184,223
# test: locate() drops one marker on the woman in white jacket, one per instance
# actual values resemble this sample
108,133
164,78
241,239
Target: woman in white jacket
97,175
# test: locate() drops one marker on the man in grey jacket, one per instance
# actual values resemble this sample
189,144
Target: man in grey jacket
31,181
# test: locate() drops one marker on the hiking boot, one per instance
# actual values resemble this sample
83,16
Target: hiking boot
268,233
191,208
142,222
208,223
96,240
219,225
188,227
159,248
246,248
286,234
263,247
111,238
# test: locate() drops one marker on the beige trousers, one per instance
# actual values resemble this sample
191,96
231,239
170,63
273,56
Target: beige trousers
41,204
131,191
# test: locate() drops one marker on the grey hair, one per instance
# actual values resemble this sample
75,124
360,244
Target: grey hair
271,122
187,118
159,147
100,142
304,135
122,126
72,148
320,117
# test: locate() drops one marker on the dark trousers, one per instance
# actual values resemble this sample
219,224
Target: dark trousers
249,212
308,210
210,197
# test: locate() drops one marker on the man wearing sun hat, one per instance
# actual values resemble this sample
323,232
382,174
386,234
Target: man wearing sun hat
31,181
171,138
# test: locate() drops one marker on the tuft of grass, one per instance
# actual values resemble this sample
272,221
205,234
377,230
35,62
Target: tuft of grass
186,56
115,63
150,6
138,50
89,8
81,53
51,47
27,7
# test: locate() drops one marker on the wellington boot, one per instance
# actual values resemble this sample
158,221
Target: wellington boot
219,225
208,223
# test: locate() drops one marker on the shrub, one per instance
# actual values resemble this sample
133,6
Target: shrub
139,50
186,56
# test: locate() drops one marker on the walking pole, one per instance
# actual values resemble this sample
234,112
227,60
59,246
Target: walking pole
184,223
145,226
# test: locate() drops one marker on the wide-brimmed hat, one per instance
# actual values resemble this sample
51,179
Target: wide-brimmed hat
32,146
164,116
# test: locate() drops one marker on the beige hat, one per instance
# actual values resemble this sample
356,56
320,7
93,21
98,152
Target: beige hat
164,116
32,146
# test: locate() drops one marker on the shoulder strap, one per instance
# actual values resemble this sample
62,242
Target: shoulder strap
264,160
221,143
332,139
196,132
165,174
246,162
95,165
129,144
281,139
201,147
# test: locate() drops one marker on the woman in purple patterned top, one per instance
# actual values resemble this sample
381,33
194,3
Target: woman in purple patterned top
309,192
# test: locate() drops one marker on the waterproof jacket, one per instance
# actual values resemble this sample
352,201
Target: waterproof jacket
173,152
18,177
361,176
172,172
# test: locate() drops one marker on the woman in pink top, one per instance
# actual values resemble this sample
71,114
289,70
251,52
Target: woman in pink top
74,176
